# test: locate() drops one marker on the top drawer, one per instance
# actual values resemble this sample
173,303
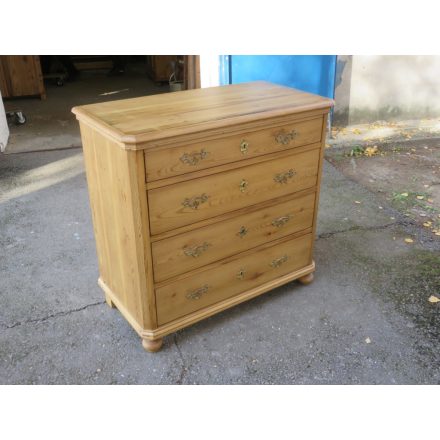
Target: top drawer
161,164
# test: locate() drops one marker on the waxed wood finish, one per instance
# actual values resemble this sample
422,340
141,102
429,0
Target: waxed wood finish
150,118
202,246
219,193
202,199
116,200
21,75
189,158
231,278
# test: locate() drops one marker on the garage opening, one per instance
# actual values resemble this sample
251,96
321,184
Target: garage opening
39,91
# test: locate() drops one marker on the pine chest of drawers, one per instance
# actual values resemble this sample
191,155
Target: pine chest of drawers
202,199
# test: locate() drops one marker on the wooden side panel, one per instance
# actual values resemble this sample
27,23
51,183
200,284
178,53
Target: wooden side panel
119,207
22,76
318,190
5,83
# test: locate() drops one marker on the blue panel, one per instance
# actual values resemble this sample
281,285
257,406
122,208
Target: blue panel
311,73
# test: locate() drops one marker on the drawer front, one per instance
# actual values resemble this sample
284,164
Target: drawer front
188,251
203,289
165,163
194,200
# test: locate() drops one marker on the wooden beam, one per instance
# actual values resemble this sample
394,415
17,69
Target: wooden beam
192,72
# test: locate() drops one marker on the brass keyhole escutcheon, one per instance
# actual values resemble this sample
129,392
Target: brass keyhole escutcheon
242,232
243,185
244,146
240,274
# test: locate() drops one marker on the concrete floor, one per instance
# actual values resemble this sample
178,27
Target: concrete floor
51,124
365,320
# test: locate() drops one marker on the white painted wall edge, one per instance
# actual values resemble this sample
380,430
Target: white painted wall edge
4,130
209,70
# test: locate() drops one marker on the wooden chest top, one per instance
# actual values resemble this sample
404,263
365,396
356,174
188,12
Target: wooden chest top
149,118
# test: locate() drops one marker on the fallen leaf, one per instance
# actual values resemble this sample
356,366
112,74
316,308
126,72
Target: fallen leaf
357,131
370,151
357,202
430,200
404,194
426,186
427,224
437,233
368,340
433,299
409,240
420,197
327,145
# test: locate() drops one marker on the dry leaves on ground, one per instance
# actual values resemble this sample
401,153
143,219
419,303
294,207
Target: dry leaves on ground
371,151
433,299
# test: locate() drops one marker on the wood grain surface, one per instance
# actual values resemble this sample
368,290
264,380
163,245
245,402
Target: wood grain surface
147,118
231,190
160,164
179,298
202,246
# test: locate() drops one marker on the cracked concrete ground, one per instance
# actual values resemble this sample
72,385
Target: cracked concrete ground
365,319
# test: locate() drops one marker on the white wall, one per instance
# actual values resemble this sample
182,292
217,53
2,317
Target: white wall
370,88
4,130
209,70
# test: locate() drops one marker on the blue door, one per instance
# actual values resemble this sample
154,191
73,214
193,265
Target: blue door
311,73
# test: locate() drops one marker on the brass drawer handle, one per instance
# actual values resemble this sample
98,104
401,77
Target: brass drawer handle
282,177
285,138
242,232
196,251
281,221
279,261
244,146
243,185
195,201
197,294
193,159
241,273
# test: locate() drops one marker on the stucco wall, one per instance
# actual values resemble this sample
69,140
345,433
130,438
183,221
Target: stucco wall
371,88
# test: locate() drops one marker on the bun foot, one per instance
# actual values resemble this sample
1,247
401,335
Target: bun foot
152,346
306,279
109,302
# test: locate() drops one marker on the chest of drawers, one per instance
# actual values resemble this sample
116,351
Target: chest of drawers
202,199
